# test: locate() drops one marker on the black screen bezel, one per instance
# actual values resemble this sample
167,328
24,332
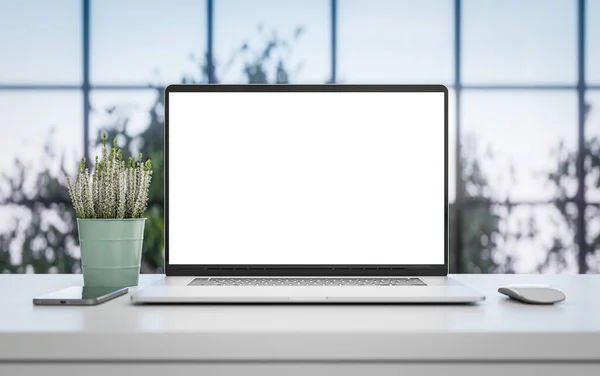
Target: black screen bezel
309,269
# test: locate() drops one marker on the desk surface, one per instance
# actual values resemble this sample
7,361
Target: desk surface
497,329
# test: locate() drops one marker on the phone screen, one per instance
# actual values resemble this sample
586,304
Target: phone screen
83,294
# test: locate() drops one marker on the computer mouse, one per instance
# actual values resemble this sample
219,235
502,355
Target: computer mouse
533,294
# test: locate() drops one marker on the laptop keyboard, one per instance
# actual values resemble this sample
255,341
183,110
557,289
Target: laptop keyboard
291,281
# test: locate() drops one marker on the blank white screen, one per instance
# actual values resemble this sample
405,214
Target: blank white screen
306,178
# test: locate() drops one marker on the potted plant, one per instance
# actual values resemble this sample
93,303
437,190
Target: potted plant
110,205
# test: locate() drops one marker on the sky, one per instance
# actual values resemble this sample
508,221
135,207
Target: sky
379,41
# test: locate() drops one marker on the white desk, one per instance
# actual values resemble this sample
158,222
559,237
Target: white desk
495,337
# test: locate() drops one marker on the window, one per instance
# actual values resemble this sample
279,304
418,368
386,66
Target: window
387,41
451,146
592,60
592,133
267,32
25,132
537,36
515,135
593,234
112,106
37,48
515,98
146,41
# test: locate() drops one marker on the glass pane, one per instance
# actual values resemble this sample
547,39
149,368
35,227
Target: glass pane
25,132
593,237
391,41
147,41
515,139
40,41
44,240
592,51
592,141
253,37
451,146
515,41
518,239
120,109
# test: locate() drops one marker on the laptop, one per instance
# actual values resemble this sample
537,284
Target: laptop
306,194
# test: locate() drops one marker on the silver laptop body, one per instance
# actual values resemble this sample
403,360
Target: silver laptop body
306,194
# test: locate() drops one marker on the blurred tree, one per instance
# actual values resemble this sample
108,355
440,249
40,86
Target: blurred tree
264,65
45,234
481,227
564,181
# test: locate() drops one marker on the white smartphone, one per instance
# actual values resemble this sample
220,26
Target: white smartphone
80,295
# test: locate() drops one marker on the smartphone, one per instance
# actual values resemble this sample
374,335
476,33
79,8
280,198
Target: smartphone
80,295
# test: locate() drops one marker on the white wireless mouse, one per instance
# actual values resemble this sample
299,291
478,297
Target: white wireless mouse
533,294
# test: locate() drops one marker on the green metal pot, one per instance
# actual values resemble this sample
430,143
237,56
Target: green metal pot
111,251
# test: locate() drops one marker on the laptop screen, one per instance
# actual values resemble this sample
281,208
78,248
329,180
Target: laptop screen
306,178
